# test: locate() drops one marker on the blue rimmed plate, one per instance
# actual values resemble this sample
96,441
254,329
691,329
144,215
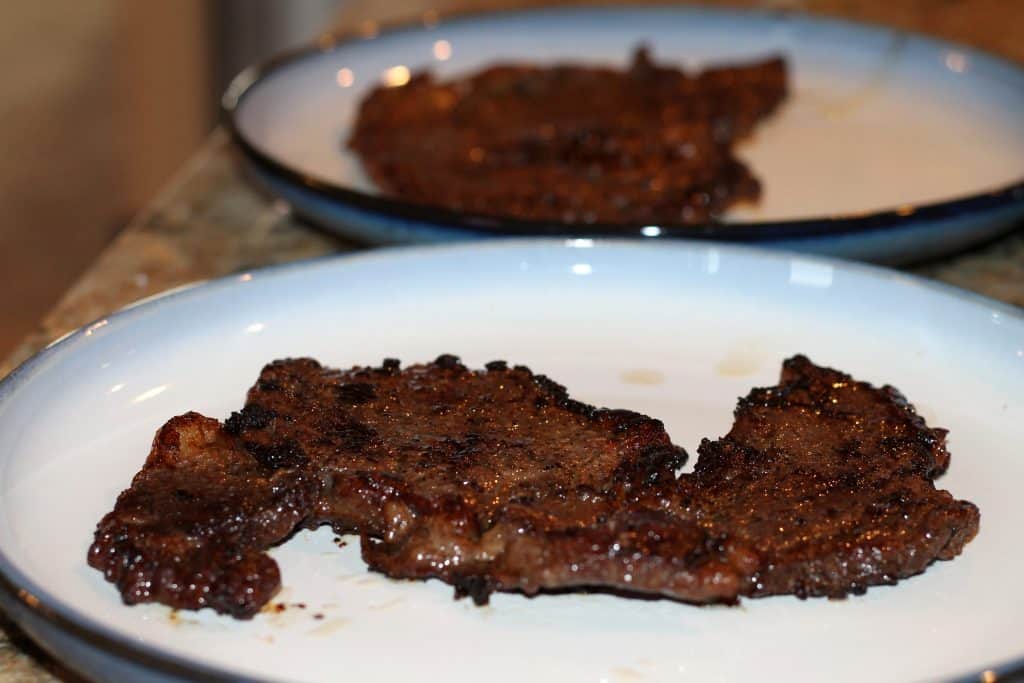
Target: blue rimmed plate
676,330
892,148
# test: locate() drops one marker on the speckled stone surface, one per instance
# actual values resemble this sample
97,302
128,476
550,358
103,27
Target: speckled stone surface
210,222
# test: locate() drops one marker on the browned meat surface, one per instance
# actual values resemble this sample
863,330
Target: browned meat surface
191,530
829,482
572,144
497,480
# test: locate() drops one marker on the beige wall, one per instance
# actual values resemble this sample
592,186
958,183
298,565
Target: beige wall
164,96
100,102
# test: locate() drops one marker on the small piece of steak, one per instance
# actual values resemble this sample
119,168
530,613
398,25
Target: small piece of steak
191,530
497,480
829,481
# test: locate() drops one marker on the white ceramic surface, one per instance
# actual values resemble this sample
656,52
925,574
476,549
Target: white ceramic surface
878,120
675,330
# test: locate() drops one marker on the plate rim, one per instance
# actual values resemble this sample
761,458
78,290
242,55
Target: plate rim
834,225
20,590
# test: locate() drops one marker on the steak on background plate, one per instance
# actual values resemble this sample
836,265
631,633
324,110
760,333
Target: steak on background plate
649,144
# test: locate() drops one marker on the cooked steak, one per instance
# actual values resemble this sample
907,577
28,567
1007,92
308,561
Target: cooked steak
497,480
829,482
191,530
442,467
569,143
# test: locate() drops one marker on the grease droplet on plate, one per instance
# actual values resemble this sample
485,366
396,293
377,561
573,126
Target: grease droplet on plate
329,627
387,604
642,376
624,673
738,363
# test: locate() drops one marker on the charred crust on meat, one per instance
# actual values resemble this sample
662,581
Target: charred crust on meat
251,417
656,465
447,361
479,588
557,395
266,385
623,421
296,366
344,434
496,366
546,384
356,392
275,456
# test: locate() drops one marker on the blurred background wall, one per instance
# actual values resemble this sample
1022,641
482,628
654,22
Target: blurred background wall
101,102
58,202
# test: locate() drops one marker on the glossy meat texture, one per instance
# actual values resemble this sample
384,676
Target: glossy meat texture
191,530
483,479
572,144
497,480
829,482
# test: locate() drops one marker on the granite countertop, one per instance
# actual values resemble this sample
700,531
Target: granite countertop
210,222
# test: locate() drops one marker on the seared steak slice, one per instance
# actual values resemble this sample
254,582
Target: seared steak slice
497,480
450,472
829,481
191,530
488,480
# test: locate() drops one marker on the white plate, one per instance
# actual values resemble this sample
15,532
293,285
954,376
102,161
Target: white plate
892,147
675,330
